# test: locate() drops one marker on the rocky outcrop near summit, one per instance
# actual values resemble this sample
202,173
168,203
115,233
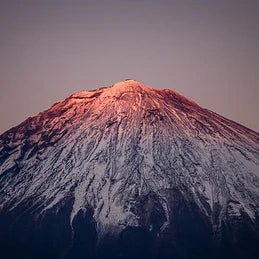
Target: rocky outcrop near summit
129,171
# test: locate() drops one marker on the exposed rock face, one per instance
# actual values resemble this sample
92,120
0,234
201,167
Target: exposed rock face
129,172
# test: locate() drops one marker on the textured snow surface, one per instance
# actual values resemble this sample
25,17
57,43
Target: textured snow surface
106,148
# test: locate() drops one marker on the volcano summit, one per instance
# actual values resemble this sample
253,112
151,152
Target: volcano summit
129,171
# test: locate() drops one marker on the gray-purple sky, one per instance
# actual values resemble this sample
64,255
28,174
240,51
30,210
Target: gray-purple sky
207,50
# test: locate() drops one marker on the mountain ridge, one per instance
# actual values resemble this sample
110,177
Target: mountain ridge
87,94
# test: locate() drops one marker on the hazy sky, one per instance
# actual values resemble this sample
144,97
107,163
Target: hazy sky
207,50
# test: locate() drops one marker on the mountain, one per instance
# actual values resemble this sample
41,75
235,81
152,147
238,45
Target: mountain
129,171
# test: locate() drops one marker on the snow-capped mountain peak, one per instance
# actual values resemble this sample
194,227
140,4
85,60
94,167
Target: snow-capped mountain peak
135,157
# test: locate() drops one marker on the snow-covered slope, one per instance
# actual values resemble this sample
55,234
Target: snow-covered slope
136,157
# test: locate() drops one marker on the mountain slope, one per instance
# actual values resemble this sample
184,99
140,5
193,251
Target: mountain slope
132,171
